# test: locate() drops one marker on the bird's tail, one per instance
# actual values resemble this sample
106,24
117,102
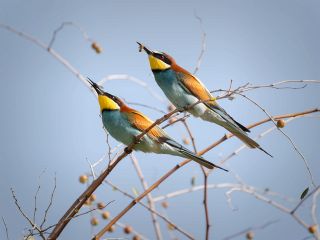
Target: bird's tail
190,155
244,138
201,161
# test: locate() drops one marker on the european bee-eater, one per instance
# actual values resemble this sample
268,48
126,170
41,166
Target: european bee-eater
124,124
183,89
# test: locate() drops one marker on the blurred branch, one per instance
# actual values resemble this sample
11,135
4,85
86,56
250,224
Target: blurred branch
51,51
123,226
305,198
247,230
151,210
126,77
6,228
149,196
63,24
314,207
205,182
203,43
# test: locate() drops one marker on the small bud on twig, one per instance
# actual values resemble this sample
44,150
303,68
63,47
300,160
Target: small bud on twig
281,123
83,179
250,235
95,46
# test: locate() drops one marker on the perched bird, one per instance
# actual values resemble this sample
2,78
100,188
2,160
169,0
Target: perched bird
124,124
183,89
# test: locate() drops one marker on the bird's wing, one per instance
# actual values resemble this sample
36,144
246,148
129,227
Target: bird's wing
141,122
195,87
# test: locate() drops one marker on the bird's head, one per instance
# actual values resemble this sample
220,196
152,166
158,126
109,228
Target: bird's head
159,61
106,101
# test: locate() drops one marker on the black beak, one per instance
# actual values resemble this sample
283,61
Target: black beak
142,47
98,89
95,87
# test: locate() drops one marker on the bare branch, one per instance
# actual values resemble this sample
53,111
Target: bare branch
32,224
203,44
305,198
149,196
50,202
260,227
179,229
6,228
55,32
135,80
286,135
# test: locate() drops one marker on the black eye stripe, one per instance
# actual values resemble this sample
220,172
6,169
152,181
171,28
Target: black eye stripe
162,57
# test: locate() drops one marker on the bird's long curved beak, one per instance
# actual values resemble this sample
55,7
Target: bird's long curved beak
143,47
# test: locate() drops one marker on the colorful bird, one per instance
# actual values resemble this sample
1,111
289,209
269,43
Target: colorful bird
183,89
124,124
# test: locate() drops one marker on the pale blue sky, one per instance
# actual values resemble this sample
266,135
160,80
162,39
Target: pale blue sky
51,122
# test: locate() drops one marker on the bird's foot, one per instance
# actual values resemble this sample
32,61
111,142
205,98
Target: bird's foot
127,150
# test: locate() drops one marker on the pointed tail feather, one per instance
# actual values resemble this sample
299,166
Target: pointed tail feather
202,161
245,138
188,154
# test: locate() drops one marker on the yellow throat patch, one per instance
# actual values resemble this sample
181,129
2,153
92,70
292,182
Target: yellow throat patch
107,103
157,64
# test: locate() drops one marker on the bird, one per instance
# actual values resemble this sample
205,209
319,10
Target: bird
125,124
184,89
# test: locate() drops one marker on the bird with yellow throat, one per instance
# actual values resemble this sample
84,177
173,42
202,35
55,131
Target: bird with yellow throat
125,124
184,89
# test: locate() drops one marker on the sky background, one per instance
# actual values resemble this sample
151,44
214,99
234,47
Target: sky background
50,121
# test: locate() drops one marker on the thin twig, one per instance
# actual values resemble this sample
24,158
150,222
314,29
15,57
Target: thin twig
79,215
126,77
149,196
33,225
133,232
260,227
55,32
205,183
51,51
286,135
35,204
6,227
304,199
50,202
203,43
179,229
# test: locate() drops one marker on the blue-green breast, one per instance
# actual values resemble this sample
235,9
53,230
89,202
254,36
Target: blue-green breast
119,128
173,88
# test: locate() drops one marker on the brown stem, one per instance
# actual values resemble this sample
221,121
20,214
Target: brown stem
75,207
205,183
149,197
